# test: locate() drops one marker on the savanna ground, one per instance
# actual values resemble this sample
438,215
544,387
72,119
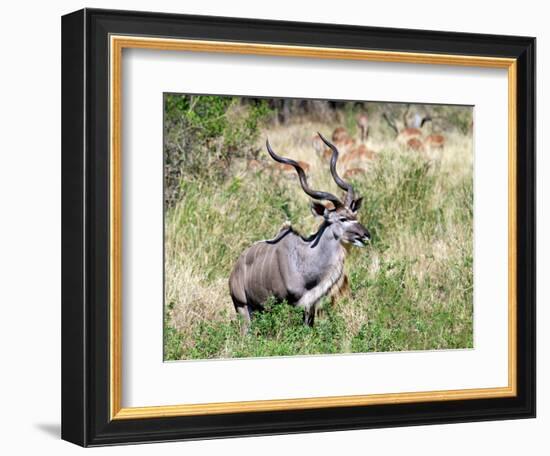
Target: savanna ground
410,289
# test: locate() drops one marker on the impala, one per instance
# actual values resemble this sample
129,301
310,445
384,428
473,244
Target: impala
415,144
320,148
254,165
404,134
340,135
296,269
435,141
363,124
287,170
360,154
354,172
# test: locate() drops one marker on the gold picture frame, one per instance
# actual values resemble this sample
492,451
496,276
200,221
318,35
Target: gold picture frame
117,45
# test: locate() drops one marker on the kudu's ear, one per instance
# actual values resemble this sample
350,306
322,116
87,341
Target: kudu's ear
356,204
318,209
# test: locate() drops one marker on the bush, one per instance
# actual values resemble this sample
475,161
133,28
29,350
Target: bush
203,134
277,331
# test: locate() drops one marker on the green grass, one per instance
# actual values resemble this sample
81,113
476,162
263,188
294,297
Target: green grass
279,331
411,289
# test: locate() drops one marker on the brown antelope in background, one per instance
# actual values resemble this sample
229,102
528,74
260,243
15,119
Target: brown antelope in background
296,269
287,170
354,172
340,135
360,154
415,144
258,166
402,136
435,142
318,145
363,125
342,139
405,134
320,148
255,166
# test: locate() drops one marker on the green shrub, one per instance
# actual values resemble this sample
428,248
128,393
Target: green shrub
173,340
204,133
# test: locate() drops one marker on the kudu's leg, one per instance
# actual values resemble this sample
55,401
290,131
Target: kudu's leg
244,313
309,316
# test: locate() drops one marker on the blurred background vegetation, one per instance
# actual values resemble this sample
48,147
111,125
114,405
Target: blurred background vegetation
411,289
203,134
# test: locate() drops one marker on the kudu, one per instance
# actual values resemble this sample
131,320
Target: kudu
296,269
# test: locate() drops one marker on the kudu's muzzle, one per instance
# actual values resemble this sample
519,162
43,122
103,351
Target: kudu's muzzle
361,236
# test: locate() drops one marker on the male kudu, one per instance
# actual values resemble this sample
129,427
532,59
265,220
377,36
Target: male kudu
296,269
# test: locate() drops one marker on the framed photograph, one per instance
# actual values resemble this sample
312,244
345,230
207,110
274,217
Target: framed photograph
277,227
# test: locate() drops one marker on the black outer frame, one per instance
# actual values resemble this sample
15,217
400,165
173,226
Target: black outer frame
85,227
